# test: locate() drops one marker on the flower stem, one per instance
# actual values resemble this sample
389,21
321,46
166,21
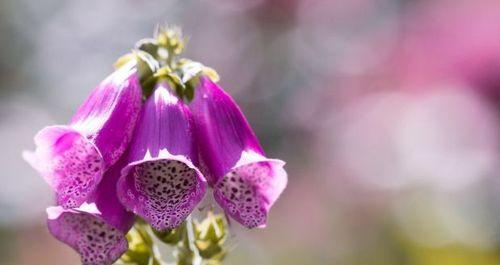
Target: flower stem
191,238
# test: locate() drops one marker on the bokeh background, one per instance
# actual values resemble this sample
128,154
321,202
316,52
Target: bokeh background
387,112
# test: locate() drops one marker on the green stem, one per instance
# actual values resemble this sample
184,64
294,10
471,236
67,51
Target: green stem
191,237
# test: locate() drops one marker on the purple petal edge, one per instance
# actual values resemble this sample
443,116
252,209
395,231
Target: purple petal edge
73,158
109,114
246,183
96,230
248,191
68,162
161,183
140,194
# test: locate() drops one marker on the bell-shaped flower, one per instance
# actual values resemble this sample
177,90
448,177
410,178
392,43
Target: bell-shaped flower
245,183
73,158
96,229
161,183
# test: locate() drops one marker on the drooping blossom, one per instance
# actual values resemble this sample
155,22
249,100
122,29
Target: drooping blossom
73,158
96,229
161,183
245,182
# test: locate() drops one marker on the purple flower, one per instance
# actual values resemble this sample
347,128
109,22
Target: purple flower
97,229
245,182
73,158
161,183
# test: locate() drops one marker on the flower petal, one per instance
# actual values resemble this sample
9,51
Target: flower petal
96,230
108,115
70,163
73,158
248,191
161,184
246,183
222,130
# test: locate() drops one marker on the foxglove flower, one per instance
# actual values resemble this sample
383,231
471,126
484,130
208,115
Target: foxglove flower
73,158
161,182
97,229
245,182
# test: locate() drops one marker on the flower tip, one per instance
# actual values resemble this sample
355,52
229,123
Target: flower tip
53,212
262,226
93,238
163,200
30,158
249,190
61,147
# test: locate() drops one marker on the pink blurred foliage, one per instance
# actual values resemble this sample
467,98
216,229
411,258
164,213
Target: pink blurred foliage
441,78
450,40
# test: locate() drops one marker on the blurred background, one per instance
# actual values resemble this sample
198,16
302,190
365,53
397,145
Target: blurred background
386,111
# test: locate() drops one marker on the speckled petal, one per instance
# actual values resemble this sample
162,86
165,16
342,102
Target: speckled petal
246,183
96,229
73,158
70,163
248,191
161,184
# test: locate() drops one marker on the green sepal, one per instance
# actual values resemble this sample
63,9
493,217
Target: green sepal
124,59
216,259
147,65
190,69
183,253
190,72
211,73
148,45
208,250
210,237
139,251
212,229
172,236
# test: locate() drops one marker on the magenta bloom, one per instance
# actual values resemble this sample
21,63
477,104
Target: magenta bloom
73,158
245,182
97,229
161,183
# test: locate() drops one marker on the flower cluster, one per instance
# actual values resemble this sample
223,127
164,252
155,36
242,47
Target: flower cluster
148,141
